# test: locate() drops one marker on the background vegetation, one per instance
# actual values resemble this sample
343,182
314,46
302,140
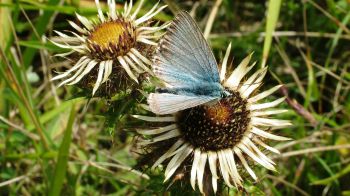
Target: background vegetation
54,140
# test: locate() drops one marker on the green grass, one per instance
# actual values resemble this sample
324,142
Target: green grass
57,142
62,157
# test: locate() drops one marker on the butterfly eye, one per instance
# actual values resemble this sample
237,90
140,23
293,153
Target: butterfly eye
225,94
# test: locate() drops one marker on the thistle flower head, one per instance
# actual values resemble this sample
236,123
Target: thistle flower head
113,46
217,124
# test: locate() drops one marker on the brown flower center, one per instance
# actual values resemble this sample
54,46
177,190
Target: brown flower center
217,126
111,39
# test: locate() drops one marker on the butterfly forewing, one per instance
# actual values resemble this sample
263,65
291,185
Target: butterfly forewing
184,58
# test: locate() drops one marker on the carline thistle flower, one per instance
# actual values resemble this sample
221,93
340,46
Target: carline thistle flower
113,44
216,123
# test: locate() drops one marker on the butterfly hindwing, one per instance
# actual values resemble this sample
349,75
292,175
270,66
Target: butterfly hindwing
166,103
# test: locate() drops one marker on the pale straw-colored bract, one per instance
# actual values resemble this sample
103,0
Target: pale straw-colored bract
181,97
127,25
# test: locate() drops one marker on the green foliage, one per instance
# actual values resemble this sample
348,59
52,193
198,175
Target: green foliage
41,153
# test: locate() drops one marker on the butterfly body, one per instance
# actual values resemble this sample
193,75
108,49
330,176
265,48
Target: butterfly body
204,88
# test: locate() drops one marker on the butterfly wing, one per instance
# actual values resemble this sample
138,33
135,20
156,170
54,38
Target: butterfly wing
185,62
184,58
166,103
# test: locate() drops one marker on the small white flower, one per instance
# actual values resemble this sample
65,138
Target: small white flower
114,40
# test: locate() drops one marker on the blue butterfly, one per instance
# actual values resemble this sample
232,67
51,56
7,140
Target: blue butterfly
187,66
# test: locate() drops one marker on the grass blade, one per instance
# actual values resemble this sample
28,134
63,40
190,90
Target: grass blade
326,181
17,87
5,33
62,158
272,17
